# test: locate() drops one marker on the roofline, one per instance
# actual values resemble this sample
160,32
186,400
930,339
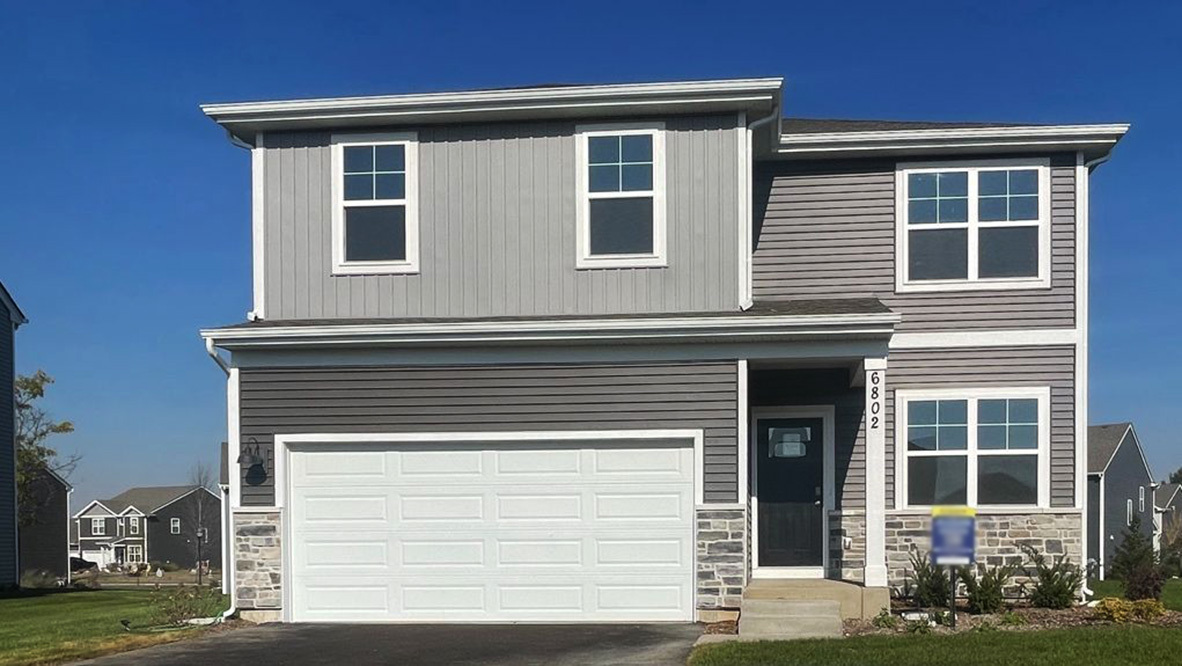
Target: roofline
7,300
92,503
671,329
186,494
1096,138
1125,435
517,102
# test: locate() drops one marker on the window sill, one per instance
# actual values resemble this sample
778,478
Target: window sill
975,285
993,509
621,261
375,268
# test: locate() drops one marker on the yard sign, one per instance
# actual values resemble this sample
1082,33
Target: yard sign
954,531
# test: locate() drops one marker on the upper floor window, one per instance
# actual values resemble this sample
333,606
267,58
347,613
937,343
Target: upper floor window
175,525
1129,513
134,525
1141,499
375,204
980,447
119,527
979,225
621,181
98,526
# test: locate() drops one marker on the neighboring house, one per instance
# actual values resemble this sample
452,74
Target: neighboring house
11,318
153,524
1167,501
619,352
45,527
1120,488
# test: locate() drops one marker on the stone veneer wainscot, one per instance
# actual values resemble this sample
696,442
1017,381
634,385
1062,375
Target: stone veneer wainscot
722,558
258,561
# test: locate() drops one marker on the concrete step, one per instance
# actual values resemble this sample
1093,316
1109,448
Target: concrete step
789,628
791,607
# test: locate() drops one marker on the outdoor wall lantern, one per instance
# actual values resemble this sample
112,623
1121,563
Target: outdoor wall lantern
251,457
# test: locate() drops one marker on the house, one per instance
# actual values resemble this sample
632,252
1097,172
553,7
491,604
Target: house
1168,509
628,352
11,319
1120,488
161,524
45,526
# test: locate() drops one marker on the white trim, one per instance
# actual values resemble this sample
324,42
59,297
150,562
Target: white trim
1020,337
102,532
1101,514
1129,512
971,452
174,526
258,223
235,440
744,421
133,525
973,227
1045,138
186,494
1140,499
827,414
410,202
995,511
876,383
746,215
128,550
658,258
92,503
282,444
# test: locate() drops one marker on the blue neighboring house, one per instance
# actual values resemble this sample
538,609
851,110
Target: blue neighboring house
1120,488
11,318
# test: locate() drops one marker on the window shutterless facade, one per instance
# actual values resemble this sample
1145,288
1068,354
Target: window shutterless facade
1141,499
134,525
375,219
1128,513
978,447
98,526
175,525
973,225
135,554
621,189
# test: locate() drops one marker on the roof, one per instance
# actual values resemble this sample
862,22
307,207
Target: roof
758,97
146,499
1165,494
815,125
14,311
1103,441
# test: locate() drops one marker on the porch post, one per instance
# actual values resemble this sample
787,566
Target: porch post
875,573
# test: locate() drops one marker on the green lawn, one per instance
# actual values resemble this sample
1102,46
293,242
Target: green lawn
1068,647
63,626
1171,594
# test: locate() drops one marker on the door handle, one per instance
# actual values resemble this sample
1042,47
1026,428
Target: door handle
817,503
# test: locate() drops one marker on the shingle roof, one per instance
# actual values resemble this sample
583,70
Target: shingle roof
821,125
1165,493
1102,443
145,499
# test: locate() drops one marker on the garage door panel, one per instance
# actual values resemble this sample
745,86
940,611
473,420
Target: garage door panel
493,532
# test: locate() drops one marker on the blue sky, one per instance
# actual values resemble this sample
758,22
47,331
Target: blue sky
125,213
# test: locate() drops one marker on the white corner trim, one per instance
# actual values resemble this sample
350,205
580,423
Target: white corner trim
410,203
1082,224
234,438
258,223
534,437
744,420
746,215
658,258
1019,337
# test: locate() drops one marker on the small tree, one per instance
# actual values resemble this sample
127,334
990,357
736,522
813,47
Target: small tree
202,517
1176,476
34,426
1134,552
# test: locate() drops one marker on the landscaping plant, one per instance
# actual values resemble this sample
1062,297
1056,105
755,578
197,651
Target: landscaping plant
885,620
175,605
1012,619
985,587
1144,582
1134,552
932,587
1121,611
1056,583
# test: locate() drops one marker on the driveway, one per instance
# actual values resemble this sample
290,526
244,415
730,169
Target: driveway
357,645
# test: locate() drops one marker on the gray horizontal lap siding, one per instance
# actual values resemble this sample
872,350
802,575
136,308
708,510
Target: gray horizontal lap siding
827,229
8,554
496,398
497,228
1006,367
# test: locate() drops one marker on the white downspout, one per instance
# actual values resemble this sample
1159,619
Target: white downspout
747,298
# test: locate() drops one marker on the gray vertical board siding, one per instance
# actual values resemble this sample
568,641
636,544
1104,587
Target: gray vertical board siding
827,229
824,387
497,208
1125,474
1003,367
1094,522
619,396
8,528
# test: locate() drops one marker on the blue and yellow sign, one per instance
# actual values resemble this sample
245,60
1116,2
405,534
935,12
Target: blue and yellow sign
954,535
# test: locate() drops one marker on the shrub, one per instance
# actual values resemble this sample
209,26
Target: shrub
1056,583
1134,553
1012,619
919,627
985,588
932,587
1148,610
1122,611
885,620
174,605
41,580
985,627
1144,582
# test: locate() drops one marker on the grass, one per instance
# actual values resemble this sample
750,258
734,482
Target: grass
1065,647
1171,594
43,627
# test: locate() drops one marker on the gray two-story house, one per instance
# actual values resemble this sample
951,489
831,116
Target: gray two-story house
627,352
11,319
179,525
1121,491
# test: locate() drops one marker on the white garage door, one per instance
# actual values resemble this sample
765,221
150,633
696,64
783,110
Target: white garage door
525,531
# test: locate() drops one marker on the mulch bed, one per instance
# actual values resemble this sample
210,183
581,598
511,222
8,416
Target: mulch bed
725,627
1034,619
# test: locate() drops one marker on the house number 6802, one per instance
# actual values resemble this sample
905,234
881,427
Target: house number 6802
875,406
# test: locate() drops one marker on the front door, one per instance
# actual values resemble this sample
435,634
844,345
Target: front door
790,490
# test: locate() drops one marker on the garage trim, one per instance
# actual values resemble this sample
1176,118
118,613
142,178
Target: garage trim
539,437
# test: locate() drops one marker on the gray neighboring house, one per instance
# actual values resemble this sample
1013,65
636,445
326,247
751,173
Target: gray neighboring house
1167,501
11,319
1120,487
156,524
630,352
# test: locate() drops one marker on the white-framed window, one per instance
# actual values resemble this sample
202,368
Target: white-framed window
621,190
134,525
983,447
375,211
174,525
135,554
973,225
98,526
1141,499
1129,512
120,527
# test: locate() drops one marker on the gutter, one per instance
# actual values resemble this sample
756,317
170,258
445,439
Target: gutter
211,349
